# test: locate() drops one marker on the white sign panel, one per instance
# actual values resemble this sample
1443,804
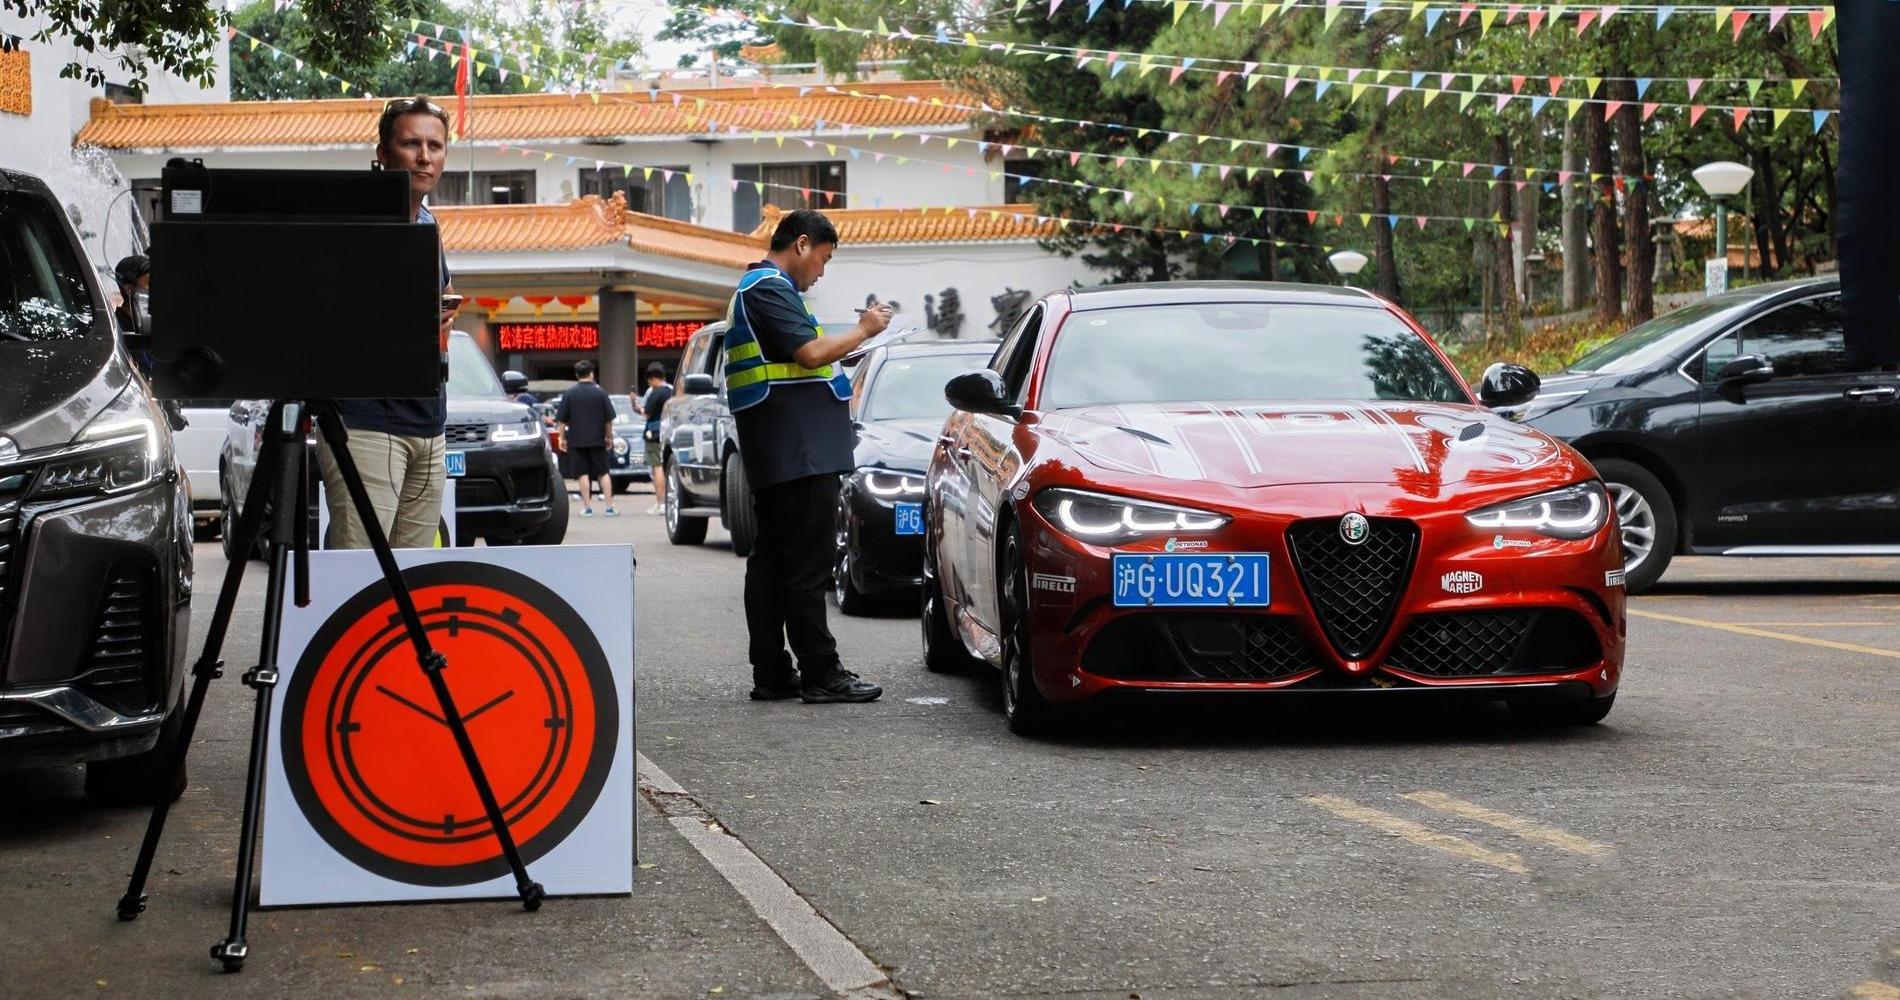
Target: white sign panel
367,798
1715,275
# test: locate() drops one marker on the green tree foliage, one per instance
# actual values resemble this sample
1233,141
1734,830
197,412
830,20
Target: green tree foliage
174,36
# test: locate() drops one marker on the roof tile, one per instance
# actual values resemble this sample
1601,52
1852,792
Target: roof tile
584,223
870,226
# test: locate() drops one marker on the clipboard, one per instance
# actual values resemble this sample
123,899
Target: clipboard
884,339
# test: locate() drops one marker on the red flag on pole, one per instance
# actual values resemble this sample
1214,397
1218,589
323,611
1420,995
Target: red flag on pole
461,91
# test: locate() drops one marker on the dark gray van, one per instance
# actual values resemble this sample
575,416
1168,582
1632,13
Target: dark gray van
95,522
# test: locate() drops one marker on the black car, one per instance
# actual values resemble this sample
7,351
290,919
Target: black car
95,523
897,410
507,489
1734,426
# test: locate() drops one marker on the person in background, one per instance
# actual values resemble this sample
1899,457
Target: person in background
652,406
397,443
586,416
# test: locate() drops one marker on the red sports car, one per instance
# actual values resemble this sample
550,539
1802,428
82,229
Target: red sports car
1253,487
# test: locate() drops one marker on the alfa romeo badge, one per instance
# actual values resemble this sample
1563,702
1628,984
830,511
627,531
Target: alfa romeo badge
1354,529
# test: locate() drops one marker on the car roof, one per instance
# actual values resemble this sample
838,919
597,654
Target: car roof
932,348
1162,293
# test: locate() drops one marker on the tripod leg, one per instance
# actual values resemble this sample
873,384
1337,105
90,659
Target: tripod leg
208,666
432,662
287,510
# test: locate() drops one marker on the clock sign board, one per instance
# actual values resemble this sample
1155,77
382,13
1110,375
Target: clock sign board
368,799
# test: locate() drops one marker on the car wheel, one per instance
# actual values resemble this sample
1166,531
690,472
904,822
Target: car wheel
227,518
943,651
1024,707
142,779
1585,712
555,530
740,520
680,529
851,600
1645,518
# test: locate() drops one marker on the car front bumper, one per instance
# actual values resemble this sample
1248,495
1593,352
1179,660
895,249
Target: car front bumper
882,561
508,491
106,585
1549,619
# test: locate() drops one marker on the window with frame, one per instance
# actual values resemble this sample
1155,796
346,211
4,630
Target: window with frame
1015,179
783,185
491,187
1802,340
1013,359
654,194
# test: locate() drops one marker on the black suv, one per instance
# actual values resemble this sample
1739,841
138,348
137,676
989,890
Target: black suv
1734,426
95,523
508,490
704,476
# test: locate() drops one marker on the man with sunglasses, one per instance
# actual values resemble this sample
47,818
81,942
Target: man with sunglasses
397,443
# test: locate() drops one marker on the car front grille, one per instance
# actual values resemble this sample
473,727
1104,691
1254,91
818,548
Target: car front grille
14,482
1203,647
119,662
1488,643
1354,589
21,719
465,434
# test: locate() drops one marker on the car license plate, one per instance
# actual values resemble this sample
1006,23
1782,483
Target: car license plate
910,519
458,463
1200,580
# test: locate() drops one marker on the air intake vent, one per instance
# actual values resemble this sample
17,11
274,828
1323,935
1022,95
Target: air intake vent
120,669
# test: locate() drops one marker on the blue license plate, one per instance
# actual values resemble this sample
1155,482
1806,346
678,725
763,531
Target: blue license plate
1199,580
457,462
910,519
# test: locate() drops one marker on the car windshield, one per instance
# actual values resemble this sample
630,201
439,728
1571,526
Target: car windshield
43,297
470,374
1242,351
1652,342
623,410
910,388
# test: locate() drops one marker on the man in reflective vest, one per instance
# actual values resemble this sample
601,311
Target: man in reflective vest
788,396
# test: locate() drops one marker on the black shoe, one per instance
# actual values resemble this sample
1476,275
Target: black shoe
776,690
839,685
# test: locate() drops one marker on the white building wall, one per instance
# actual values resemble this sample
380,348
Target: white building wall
869,182
41,143
905,274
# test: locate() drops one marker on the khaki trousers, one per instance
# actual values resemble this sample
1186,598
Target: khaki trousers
403,476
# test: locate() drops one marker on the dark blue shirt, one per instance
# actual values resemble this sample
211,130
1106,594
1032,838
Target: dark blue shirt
801,429
422,417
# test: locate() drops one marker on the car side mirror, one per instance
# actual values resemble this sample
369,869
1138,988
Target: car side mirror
1746,370
1507,384
980,391
699,384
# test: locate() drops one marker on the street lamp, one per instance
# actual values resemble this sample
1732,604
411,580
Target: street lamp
1722,180
1347,262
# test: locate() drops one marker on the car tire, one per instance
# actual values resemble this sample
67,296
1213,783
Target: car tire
555,530
851,600
740,519
1025,708
943,651
141,779
1554,714
1646,516
680,529
228,517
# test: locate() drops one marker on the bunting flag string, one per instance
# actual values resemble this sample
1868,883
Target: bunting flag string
1726,17
1356,84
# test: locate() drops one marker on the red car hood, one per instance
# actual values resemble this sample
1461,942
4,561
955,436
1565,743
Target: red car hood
1418,445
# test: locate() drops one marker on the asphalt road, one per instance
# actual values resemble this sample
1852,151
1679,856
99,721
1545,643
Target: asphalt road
1732,830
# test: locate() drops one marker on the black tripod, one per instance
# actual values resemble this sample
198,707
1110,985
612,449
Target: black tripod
282,483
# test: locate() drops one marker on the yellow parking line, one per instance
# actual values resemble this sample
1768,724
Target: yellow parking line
1422,836
1514,825
1875,991
1824,624
1846,647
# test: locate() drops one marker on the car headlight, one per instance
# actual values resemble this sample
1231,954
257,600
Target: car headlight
887,484
525,430
1572,512
119,451
620,445
1101,519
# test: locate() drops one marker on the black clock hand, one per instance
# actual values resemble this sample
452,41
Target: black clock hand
498,699
438,720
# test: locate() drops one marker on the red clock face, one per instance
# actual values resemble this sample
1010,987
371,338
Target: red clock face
370,757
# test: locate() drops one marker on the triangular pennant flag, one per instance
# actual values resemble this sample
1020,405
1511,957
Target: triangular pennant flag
1537,105
1694,85
1820,118
1738,20
1485,19
1556,84
1663,14
1818,19
1696,111
1754,87
1649,108
1584,19
1642,87
1798,86
1610,109
1432,14
1465,97
1775,14
1781,115
1592,84
1741,117
1503,99
1576,105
